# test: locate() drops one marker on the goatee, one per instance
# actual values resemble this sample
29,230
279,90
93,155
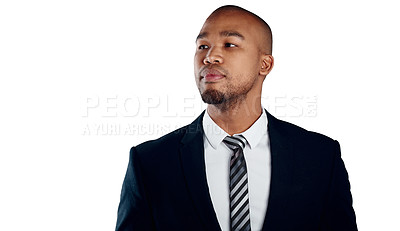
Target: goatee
213,97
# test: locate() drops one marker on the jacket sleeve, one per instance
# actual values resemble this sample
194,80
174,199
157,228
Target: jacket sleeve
339,213
134,210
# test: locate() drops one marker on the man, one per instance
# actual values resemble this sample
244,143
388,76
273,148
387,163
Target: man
236,167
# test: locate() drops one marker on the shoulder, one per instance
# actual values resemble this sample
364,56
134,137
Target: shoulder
154,154
165,143
302,133
308,149
171,141
167,147
299,136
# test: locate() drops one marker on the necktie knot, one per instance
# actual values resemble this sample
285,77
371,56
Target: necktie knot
235,142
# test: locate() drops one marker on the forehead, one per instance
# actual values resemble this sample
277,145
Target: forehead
240,22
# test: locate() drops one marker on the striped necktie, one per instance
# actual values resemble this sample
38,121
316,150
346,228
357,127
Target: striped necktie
239,195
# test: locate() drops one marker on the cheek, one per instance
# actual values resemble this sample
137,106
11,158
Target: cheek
196,65
198,60
252,65
244,68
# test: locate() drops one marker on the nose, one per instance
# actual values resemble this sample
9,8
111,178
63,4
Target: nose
213,57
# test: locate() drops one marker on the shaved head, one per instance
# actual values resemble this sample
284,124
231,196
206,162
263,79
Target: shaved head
266,43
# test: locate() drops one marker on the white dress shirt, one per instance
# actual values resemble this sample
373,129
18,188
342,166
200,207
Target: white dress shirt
258,160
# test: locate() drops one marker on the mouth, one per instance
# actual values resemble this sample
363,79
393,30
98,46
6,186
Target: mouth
211,75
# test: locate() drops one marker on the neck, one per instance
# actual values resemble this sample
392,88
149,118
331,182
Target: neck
236,118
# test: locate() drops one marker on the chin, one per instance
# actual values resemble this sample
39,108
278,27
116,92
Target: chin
213,96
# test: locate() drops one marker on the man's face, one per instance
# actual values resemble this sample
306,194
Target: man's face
227,61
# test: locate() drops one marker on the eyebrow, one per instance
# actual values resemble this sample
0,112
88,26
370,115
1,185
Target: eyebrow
230,33
201,35
226,33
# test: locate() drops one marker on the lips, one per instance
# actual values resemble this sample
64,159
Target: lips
212,75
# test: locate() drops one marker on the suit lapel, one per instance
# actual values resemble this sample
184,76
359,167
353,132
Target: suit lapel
192,157
281,172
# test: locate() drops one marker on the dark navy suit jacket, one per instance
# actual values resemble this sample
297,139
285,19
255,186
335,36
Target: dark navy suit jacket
165,186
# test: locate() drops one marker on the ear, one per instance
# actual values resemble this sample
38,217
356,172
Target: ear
267,64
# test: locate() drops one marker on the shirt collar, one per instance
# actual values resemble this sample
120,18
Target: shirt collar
212,131
214,134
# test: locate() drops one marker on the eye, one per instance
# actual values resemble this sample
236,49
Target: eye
202,47
230,45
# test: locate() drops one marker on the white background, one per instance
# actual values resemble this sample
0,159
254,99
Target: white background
68,68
